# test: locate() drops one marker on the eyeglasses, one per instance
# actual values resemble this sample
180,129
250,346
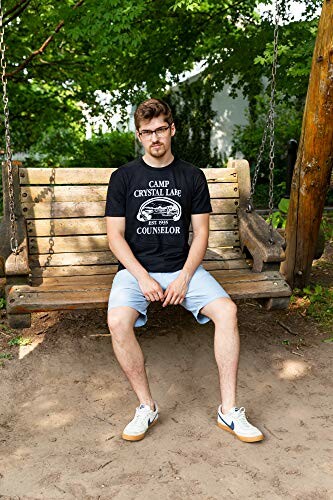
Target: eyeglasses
160,132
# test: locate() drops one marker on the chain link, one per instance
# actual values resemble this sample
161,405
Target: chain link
269,128
13,237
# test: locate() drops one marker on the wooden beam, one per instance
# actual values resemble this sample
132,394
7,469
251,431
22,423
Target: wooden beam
314,160
97,209
76,176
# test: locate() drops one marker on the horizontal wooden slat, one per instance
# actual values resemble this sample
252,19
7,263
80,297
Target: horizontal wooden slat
64,271
230,276
23,298
77,283
53,194
212,265
68,176
53,271
48,194
100,258
97,225
99,242
72,259
97,209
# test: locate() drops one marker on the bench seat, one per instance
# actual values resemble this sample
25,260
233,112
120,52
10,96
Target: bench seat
64,262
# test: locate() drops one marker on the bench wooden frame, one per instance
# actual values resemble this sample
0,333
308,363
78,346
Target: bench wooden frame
64,261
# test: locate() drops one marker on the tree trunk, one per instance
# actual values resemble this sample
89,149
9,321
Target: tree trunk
314,160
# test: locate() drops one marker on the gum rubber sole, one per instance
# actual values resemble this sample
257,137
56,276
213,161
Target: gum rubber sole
253,439
128,437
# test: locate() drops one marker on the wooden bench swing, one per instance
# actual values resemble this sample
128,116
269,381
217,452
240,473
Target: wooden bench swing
63,261
54,251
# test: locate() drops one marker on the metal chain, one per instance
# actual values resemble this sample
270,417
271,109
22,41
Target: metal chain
272,123
13,237
258,163
269,127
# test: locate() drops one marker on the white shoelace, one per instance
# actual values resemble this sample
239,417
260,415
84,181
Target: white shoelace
141,416
241,416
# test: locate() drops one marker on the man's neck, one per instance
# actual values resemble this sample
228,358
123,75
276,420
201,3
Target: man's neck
158,162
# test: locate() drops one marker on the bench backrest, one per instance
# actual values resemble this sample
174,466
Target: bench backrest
64,212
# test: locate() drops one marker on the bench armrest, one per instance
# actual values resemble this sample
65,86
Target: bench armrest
18,264
14,264
254,235
11,264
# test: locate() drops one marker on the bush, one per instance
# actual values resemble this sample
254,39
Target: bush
102,150
105,150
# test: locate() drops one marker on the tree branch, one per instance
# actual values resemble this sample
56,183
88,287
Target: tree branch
13,9
24,5
42,47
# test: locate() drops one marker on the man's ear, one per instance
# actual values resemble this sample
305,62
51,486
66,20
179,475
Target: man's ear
137,135
173,129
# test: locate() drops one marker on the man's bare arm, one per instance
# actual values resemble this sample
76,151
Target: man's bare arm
200,227
176,291
120,248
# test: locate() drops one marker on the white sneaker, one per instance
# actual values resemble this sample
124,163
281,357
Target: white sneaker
144,419
235,421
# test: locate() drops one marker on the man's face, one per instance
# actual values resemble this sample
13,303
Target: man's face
156,144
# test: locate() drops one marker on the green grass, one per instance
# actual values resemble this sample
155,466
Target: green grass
5,355
318,302
19,341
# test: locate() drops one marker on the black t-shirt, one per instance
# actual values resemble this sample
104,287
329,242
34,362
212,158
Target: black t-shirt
157,204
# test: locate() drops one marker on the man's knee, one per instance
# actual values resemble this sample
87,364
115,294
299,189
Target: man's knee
230,307
222,308
120,323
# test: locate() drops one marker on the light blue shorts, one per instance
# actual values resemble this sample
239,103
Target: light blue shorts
203,288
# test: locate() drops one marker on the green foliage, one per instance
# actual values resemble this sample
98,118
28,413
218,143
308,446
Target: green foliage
193,115
319,303
134,49
279,217
105,150
247,139
2,303
21,341
1,203
5,355
327,226
102,150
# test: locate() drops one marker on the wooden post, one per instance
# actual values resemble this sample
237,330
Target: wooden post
314,160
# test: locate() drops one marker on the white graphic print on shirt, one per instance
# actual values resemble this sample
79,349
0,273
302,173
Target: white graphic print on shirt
160,209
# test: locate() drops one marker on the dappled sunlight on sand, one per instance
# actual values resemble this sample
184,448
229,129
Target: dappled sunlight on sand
55,420
293,369
26,349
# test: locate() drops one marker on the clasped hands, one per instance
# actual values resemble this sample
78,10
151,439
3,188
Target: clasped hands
174,293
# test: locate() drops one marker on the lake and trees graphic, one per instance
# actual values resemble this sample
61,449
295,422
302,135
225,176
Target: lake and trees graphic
160,208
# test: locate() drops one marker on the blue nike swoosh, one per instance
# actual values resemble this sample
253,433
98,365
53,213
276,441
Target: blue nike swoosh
150,422
231,426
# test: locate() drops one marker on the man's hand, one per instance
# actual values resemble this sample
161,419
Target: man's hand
151,289
176,291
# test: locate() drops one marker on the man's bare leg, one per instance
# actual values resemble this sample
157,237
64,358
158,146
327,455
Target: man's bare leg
121,321
223,312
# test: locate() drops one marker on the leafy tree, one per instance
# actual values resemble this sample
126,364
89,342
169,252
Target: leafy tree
60,53
194,118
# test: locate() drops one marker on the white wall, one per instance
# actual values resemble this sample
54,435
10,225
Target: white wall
230,112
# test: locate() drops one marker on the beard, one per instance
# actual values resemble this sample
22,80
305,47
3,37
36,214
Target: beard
157,152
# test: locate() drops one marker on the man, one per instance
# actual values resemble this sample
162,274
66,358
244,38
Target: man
151,202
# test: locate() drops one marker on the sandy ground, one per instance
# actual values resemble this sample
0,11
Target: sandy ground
65,401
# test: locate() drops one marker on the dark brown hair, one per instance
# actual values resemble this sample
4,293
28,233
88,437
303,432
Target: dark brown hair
152,108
